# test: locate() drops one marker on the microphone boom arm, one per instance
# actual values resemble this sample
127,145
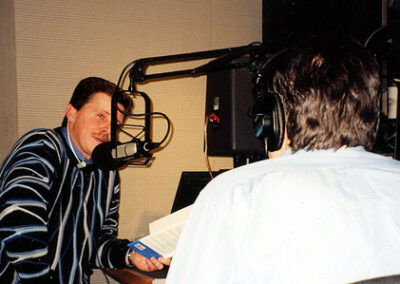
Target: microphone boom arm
223,59
137,73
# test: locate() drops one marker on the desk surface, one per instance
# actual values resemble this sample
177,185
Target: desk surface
134,276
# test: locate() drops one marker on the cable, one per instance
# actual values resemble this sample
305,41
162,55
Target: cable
144,115
124,70
373,34
206,147
152,114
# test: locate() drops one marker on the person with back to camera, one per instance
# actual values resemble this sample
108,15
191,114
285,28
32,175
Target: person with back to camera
324,209
59,213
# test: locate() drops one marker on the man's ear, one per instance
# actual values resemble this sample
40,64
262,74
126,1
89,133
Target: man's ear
286,140
71,112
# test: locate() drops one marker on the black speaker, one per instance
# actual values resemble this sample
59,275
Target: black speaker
229,108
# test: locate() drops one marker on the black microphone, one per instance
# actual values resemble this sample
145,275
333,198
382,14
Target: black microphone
108,156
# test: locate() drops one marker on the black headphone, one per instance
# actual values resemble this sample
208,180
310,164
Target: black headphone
269,121
268,112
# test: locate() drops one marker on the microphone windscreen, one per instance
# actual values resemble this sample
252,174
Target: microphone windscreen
101,156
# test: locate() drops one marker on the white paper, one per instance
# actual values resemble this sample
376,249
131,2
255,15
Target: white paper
164,234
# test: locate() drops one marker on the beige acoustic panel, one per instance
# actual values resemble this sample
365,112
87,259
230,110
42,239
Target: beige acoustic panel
8,92
236,22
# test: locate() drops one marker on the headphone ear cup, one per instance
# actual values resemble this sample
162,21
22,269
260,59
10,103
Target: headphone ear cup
270,121
278,123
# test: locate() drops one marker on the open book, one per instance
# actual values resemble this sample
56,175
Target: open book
164,235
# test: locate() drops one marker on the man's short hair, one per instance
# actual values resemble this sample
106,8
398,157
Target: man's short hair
87,87
329,90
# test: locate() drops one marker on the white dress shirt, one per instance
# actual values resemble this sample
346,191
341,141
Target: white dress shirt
310,217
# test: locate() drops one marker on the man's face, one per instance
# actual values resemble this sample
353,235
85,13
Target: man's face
90,126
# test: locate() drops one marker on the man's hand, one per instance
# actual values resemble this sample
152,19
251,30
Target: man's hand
151,264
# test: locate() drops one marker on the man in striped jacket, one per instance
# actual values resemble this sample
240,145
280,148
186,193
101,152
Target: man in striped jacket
58,216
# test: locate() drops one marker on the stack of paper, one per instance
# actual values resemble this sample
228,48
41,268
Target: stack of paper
164,235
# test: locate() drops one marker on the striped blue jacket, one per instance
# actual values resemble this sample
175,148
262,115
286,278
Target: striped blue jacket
57,221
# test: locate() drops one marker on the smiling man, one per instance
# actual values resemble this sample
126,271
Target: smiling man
59,214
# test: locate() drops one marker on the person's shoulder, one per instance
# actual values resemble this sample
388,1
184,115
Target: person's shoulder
42,142
289,163
37,152
379,160
354,157
226,183
40,135
253,170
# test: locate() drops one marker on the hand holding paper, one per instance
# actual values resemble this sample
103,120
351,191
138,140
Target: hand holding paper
163,237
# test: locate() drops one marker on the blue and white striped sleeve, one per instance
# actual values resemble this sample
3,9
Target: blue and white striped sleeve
26,178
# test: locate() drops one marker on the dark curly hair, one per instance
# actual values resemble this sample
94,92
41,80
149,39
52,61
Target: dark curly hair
329,90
